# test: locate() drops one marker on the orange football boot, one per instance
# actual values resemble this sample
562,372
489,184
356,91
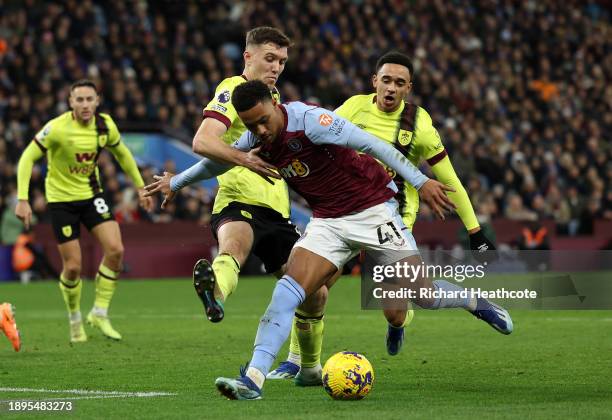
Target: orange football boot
8,325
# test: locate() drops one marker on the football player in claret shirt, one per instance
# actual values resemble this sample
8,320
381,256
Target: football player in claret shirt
72,143
351,196
409,128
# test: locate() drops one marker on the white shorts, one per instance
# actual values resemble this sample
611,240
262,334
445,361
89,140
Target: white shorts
379,230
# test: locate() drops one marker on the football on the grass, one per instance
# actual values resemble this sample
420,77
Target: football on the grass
348,376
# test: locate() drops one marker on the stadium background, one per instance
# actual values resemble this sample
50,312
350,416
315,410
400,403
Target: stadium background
519,91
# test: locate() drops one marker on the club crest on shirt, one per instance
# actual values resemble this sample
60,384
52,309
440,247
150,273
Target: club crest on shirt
404,137
294,145
224,96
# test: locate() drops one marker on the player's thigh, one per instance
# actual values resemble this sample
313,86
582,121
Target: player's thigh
233,229
108,235
310,270
334,278
327,239
236,238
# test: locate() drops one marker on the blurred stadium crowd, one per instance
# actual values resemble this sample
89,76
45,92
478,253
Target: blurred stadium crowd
520,91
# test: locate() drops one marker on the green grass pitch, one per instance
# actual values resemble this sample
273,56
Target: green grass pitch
555,364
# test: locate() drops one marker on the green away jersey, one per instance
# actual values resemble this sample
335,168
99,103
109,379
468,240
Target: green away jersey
240,184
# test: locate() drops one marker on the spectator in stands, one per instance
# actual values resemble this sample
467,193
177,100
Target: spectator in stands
521,90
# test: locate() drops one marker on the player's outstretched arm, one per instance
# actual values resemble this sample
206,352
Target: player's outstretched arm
168,184
432,192
31,154
483,248
445,173
342,132
208,142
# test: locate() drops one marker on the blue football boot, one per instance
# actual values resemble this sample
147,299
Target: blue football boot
240,388
395,339
286,370
494,315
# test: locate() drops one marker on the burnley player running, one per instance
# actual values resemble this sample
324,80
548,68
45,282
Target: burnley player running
72,143
409,128
351,196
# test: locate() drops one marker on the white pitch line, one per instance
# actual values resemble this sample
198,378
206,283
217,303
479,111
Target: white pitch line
91,397
107,394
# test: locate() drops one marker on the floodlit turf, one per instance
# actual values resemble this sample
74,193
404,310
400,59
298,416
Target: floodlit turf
555,364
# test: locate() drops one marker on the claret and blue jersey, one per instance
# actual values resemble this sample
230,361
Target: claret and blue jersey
313,154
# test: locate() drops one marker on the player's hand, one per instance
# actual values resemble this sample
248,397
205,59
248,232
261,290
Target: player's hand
23,211
482,248
252,161
145,201
162,185
434,194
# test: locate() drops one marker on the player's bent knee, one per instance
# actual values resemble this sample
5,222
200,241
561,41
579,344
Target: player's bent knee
72,269
115,252
236,248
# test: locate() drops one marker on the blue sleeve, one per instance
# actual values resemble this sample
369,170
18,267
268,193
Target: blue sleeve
246,142
324,127
204,169
207,168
